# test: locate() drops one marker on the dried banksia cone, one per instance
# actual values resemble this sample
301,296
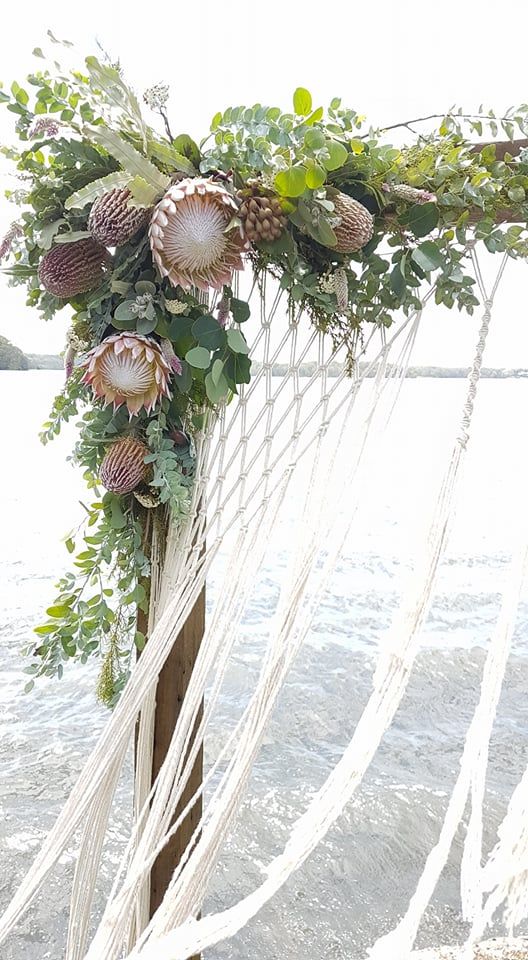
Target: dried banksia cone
72,268
402,191
123,467
356,223
113,221
262,216
128,368
191,238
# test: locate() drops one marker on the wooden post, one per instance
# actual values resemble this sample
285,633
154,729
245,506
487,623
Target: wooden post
170,692
172,686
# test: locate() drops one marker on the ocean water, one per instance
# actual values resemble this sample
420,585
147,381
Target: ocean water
359,880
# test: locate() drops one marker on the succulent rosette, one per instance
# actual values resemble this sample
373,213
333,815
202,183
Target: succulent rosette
191,238
128,368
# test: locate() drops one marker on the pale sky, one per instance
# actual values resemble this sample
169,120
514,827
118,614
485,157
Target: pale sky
390,61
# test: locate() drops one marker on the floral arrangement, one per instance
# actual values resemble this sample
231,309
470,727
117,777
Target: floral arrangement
141,235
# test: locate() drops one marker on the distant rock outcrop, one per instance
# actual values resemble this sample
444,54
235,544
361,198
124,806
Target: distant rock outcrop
11,358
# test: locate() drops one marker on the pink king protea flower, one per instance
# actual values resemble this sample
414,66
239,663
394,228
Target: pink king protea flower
128,368
191,238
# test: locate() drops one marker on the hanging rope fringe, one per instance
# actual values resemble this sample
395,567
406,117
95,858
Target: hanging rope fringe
247,463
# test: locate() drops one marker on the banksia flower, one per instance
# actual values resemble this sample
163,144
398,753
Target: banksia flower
262,216
402,191
355,226
191,238
128,368
72,268
113,221
123,467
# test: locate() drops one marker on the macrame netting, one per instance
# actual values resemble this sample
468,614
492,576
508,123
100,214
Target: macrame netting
247,468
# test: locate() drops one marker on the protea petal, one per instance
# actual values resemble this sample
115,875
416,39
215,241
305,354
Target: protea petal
189,238
128,368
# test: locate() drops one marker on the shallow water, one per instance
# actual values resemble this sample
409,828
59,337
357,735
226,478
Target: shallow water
359,880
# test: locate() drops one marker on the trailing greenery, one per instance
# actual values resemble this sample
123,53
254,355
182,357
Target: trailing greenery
82,134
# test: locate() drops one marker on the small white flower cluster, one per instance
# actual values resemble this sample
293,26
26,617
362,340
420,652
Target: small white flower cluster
176,307
156,97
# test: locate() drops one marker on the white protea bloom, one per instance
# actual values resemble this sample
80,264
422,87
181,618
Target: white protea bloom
128,368
194,242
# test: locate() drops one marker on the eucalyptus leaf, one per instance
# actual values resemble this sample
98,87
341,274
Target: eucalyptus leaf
145,325
428,256
334,156
208,332
302,101
240,310
237,341
292,182
198,357
216,390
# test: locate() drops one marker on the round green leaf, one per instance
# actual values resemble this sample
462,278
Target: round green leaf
315,176
198,357
302,101
236,341
123,313
208,332
428,256
146,325
337,155
421,218
240,310
292,182
314,139
216,392
145,286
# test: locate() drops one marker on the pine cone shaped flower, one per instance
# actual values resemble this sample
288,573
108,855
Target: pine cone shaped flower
261,214
128,368
356,223
190,238
72,268
113,221
123,467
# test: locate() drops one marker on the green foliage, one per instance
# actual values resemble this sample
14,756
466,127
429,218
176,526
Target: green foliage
300,159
